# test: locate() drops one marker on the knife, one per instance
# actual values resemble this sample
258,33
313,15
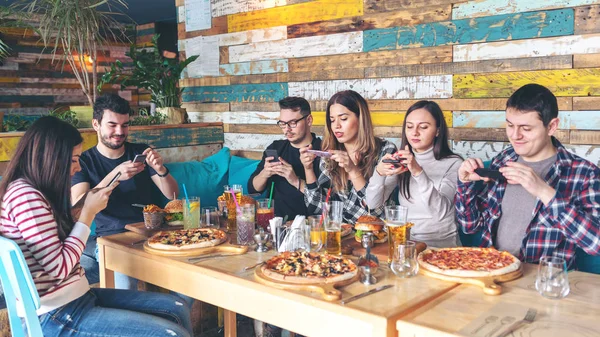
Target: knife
367,293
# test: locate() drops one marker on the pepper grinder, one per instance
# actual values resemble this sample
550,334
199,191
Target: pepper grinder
367,271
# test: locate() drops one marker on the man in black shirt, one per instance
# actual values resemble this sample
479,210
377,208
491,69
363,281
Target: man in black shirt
287,174
140,183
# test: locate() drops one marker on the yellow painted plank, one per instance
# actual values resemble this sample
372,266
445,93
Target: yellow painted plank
563,82
319,10
380,118
9,80
8,145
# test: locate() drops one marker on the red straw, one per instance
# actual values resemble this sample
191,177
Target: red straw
326,201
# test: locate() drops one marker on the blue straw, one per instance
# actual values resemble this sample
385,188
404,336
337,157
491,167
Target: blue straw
187,200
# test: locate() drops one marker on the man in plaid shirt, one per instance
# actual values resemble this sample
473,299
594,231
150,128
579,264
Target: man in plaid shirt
547,201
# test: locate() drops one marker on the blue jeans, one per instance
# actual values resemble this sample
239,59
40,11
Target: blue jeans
114,312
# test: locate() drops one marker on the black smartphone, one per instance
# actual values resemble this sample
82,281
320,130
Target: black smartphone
114,179
487,173
139,158
396,161
272,153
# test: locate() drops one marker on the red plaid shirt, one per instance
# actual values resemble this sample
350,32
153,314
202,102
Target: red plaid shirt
570,220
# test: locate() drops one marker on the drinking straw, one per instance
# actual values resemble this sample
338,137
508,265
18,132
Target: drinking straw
271,194
187,200
326,201
237,206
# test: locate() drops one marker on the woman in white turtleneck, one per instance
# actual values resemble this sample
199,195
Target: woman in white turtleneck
426,177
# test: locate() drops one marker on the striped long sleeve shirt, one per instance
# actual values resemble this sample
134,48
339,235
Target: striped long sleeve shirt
26,217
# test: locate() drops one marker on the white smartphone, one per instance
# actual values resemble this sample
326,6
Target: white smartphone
139,158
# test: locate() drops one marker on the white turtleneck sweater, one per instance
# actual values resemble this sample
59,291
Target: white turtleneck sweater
431,206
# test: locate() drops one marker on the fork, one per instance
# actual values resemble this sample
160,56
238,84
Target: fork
528,319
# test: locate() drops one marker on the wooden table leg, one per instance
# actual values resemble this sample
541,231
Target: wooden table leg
230,323
107,276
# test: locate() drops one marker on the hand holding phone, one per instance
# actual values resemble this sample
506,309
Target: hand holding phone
114,179
139,158
318,153
272,153
487,173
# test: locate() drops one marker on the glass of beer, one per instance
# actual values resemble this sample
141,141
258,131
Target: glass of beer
395,221
333,212
264,213
191,213
231,208
318,236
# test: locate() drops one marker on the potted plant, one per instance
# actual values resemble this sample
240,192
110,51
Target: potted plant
155,73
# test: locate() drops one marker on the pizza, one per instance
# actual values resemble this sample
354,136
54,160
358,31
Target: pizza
468,262
185,239
305,267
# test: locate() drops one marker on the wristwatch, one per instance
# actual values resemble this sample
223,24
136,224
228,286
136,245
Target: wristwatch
163,175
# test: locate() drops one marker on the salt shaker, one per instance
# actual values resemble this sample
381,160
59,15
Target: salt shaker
369,263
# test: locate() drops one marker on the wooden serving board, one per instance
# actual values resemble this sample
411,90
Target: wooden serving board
139,228
327,290
225,247
489,285
380,250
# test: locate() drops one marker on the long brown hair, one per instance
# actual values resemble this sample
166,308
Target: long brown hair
368,147
441,148
43,159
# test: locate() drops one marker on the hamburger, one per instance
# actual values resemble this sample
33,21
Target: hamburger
174,211
370,223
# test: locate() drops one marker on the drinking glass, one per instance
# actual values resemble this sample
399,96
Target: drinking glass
404,262
191,212
333,212
552,280
317,233
210,217
395,221
245,224
223,212
264,213
231,207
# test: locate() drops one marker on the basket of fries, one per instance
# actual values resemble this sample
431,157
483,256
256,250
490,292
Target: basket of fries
154,217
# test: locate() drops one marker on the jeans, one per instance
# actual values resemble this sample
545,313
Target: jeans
114,312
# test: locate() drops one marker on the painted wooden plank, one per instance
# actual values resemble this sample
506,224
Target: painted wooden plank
9,142
495,135
259,129
218,26
49,80
372,59
71,99
380,118
228,117
585,137
8,65
253,36
174,137
204,81
585,120
254,106
188,153
534,63
492,28
342,43
587,19
249,142
207,64
181,14
474,9
268,92
497,119
571,82
563,45
403,17
254,67
586,61
373,6
38,91
256,155
318,10
201,107
26,111
586,103
381,88
322,75
227,7
260,78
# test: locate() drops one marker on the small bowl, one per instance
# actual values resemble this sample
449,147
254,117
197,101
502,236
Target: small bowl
154,220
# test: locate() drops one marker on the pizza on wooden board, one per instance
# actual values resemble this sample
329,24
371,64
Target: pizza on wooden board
186,239
306,268
468,262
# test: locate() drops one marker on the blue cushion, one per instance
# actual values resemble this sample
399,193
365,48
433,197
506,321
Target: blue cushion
587,263
240,170
203,179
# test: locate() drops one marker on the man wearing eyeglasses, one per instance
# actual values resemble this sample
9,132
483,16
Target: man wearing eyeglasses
286,171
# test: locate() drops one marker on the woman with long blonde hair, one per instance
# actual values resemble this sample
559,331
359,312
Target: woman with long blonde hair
354,153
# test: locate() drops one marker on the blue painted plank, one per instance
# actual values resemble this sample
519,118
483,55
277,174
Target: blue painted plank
486,29
265,92
472,9
585,120
255,67
497,119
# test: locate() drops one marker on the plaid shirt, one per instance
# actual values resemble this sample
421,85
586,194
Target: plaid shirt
354,206
570,220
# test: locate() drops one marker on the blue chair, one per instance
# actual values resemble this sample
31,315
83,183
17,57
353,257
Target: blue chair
17,283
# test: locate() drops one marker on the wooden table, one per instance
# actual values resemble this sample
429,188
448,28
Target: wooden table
220,282
449,313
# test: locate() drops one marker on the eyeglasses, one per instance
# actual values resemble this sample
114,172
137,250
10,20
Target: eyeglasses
292,124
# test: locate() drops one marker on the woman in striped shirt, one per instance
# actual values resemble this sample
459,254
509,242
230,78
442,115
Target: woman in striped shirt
35,212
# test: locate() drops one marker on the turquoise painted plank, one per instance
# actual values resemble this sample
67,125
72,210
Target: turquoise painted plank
176,137
496,119
264,92
143,32
472,9
585,120
255,67
486,29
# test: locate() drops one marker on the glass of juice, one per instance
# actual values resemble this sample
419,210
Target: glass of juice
191,212
246,224
395,221
318,236
264,213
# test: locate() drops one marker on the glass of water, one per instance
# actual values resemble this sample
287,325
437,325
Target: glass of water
245,224
552,280
404,263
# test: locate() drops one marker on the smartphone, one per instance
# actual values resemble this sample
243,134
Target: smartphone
394,160
114,179
272,153
139,158
319,153
487,173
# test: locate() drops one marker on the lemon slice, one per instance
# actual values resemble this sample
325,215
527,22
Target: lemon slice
194,205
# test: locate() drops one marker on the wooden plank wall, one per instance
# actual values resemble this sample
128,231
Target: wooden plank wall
469,56
30,84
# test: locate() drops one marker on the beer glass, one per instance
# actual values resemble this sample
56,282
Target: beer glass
552,280
317,233
395,221
191,213
333,213
404,262
231,208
